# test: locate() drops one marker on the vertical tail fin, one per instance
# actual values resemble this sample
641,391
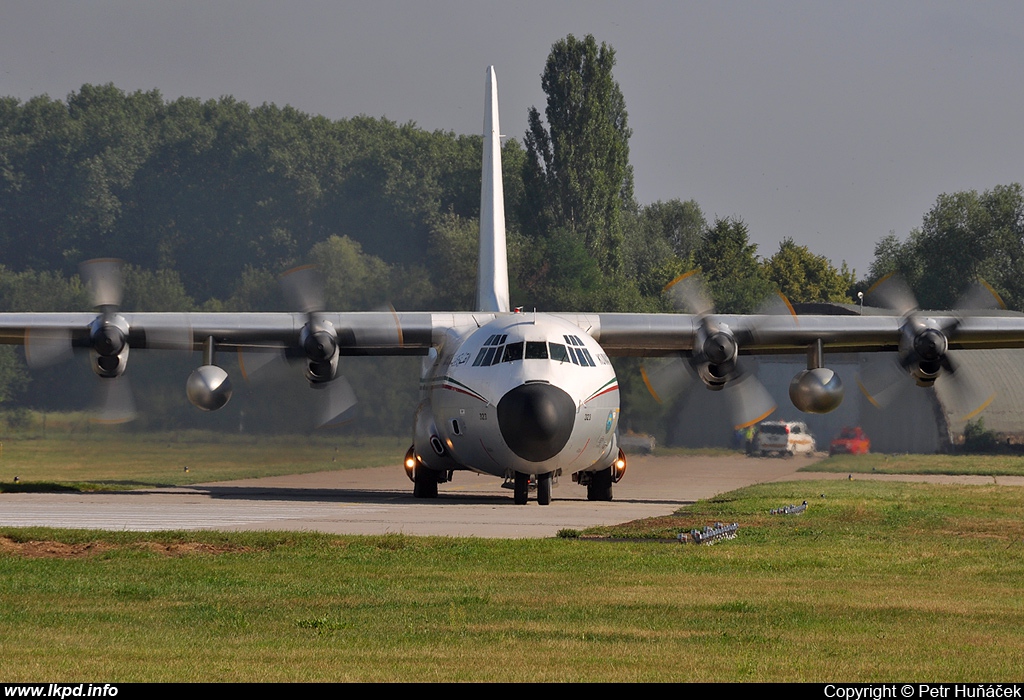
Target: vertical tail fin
492,273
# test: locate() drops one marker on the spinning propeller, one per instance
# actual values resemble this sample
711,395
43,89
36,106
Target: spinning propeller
107,340
714,359
924,351
335,400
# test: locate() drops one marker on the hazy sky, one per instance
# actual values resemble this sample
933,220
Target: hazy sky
830,122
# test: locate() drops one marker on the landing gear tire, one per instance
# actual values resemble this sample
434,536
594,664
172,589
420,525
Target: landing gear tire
521,492
424,483
544,489
600,486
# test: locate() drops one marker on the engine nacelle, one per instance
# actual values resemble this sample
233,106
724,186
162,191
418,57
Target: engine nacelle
319,341
108,338
922,351
715,358
208,388
109,366
816,390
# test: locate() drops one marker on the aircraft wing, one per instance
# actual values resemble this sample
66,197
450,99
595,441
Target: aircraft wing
627,334
359,333
709,345
414,333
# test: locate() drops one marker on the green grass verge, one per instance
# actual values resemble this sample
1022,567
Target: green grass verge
113,460
982,465
875,582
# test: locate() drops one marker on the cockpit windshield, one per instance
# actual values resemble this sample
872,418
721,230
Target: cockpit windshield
536,350
495,351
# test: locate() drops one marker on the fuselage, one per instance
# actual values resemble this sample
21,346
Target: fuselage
526,392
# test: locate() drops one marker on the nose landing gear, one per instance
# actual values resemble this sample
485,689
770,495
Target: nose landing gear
521,488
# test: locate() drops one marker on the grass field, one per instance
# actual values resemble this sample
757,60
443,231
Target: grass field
114,460
876,581
982,465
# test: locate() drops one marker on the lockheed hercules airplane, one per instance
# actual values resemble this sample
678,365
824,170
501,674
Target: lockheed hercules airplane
524,396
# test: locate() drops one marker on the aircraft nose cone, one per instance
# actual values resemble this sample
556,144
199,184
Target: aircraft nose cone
536,420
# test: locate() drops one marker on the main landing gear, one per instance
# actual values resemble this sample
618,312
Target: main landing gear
600,486
599,483
424,480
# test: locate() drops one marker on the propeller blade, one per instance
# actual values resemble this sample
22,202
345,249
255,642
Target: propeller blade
892,292
980,296
667,377
259,362
115,402
303,289
687,293
749,401
881,379
337,402
777,304
47,346
964,392
103,279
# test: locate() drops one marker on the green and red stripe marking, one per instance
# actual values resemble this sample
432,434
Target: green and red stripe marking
453,385
612,385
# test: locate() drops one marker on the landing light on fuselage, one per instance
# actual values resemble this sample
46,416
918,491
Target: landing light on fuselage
619,467
410,464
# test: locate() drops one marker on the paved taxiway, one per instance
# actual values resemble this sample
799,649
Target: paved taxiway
379,500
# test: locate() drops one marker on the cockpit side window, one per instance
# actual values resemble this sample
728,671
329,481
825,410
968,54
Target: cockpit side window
558,353
490,353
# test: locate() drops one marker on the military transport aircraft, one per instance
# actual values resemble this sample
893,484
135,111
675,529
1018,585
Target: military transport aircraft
522,395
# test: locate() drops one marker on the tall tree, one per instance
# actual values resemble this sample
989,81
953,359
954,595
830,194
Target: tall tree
659,243
805,277
964,236
728,261
577,173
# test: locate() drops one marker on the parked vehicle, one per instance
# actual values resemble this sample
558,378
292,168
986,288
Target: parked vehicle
850,441
784,438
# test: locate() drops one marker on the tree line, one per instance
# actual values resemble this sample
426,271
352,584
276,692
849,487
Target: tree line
208,201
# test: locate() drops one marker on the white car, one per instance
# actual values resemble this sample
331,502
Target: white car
784,438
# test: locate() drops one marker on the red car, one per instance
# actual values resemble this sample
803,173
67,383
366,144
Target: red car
850,441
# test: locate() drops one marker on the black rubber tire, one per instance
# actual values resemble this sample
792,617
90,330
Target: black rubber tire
600,486
522,489
424,483
544,489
